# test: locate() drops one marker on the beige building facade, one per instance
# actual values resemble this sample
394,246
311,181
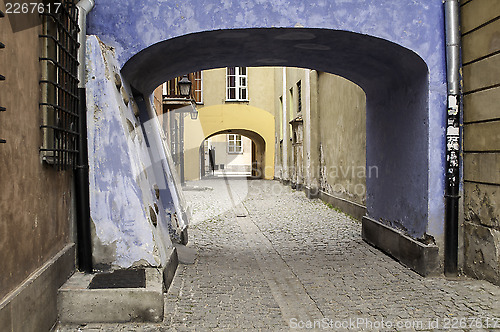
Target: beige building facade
231,101
37,210
481,133
321,137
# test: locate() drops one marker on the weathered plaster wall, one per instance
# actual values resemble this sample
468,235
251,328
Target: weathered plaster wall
279,134
342,141
130,223
36,201
295,152
337,135
481,44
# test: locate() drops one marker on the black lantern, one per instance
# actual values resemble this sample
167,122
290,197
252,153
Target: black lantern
184,86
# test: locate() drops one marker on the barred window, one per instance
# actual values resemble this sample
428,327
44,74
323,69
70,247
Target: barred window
59,85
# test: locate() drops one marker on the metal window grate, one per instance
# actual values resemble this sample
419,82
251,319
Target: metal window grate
59,85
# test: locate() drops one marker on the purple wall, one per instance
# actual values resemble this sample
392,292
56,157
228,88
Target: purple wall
393,49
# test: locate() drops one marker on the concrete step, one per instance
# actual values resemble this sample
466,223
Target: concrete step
77,303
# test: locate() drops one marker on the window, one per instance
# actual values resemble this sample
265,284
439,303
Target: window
236,84
198,87
59,86
234,143
299,96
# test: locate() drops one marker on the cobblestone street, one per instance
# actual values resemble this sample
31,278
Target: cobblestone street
270,259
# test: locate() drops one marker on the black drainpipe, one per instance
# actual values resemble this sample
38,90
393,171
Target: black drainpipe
451,11
81,173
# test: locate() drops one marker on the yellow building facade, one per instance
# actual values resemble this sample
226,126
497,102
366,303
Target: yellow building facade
233,101
320,137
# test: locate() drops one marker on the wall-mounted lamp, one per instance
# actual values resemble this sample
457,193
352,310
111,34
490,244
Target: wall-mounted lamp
185,86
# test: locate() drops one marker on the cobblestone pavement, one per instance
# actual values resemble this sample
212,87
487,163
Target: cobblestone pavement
270,259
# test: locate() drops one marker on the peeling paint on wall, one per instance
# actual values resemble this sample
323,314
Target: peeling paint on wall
129,227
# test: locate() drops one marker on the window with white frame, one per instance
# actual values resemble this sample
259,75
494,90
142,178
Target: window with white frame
234,143
299,97
198,87
236,84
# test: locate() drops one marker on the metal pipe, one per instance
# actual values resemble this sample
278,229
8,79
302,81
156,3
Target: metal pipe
84,7
452,23
81,173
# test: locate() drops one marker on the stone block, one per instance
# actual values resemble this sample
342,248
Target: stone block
478,12
482,167
169,271
482,252
78,304
482,136
482,42
482,204
481,105
421,258
482,74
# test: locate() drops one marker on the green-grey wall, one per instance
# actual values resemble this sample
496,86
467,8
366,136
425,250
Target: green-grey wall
342,111
338,132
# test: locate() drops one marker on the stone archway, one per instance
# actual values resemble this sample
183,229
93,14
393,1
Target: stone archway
394,79
261,166
393,52
255,123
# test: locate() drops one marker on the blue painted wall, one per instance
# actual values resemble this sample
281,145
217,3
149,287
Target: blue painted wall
393,49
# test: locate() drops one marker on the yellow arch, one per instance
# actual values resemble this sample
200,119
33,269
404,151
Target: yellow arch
222,118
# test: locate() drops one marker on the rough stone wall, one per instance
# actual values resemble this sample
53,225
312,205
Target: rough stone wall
481,69
36,200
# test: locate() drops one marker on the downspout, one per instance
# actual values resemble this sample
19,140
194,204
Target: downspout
452,22
81,173
284,124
